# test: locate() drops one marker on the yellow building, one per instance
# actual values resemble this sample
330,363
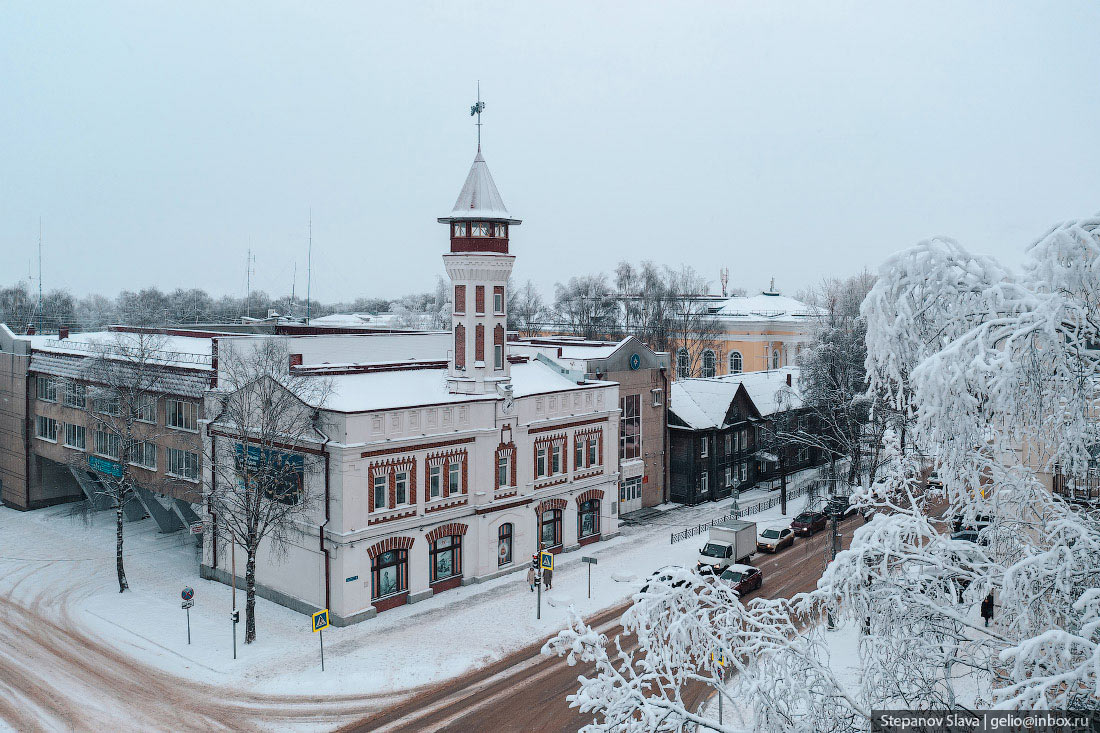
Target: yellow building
755,333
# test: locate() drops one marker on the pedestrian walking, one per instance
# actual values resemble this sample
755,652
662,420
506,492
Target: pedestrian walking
531,577
548,577
987,608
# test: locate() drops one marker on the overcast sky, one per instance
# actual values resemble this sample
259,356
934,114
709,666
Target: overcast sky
794,140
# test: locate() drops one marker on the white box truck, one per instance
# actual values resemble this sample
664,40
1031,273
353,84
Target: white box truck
728,543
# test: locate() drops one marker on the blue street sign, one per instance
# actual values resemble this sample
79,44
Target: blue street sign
188,593
104,466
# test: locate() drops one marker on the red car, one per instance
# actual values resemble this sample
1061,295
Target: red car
743,577
806,523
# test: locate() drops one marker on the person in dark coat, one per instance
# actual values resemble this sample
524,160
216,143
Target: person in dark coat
987,608
548,577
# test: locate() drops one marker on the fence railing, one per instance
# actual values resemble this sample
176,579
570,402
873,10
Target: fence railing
761,506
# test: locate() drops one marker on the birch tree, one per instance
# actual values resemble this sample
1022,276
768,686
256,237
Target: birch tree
125,379
266,437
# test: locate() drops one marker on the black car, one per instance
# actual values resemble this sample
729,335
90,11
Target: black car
840,506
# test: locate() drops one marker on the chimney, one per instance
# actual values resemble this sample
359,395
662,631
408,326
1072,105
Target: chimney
30,329
788,379
295,360
63,332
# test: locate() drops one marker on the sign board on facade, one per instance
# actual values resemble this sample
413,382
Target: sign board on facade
546,560
320,620
102,465
195,527
635,361
354,577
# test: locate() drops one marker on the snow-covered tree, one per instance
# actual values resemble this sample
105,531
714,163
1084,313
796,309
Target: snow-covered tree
266,429
998,377
124,378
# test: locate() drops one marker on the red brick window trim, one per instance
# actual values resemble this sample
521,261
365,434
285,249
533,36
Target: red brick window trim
479,299
505,466
383,480
588,448
460,299
450,470
550,452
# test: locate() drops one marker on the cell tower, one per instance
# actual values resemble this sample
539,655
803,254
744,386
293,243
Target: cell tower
724,276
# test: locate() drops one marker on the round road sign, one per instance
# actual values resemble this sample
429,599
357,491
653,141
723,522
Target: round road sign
188,593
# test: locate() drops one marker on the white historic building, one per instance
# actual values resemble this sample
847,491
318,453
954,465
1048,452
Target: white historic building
449,460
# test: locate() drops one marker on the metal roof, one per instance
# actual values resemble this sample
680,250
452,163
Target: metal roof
479,197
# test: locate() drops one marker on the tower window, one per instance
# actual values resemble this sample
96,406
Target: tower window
460,229
479,229
502,230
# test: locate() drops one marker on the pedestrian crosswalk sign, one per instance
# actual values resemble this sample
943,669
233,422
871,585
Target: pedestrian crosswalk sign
320,620
546,560
718,658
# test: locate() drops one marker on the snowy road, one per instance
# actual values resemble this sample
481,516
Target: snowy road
77,655
527,691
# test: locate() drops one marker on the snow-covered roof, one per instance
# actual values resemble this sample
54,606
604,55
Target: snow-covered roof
767,306
534,377
183,351
479,197
181,382
768,390
387,390
703,403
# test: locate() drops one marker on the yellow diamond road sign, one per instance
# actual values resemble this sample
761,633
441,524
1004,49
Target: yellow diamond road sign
320,620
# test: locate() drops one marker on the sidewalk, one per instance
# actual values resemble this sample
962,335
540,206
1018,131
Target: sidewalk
48,558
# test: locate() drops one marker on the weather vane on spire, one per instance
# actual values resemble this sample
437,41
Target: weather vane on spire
477,109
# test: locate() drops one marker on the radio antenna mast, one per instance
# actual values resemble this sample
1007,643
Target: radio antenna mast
309,264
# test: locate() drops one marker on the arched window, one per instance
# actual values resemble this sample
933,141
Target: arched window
504,544
737,364
588,518
775,359
683,364
710,363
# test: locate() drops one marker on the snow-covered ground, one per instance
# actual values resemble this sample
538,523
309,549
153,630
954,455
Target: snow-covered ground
55,563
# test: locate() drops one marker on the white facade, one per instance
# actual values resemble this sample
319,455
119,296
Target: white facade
440,474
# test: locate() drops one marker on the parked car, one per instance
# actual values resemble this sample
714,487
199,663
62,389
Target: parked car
934,481
841,506
744,578
774,539
979,522
666,574
807,523
970,535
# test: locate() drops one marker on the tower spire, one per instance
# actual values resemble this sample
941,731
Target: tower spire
477,109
